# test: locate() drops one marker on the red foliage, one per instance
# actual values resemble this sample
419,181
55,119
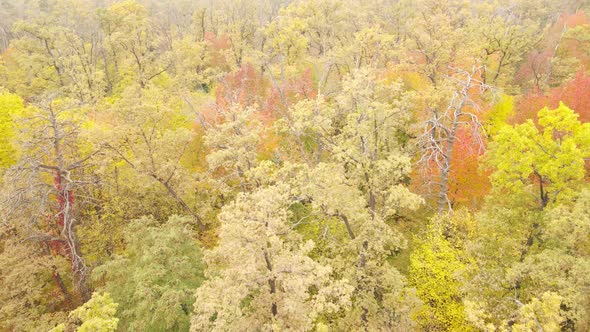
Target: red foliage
292,91
535,67
246,87
468,184
575,94
65,202
528,105
249,88
218,44
573,20
537,63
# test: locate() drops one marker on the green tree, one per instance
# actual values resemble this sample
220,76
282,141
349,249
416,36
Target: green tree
155,278
151,136
561,264
131,38
353,171
540,315
58,50
96,315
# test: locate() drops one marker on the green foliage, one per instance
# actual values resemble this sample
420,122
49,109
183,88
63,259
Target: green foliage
267,279
522,253
155,279
504,234
562,263
96,315
540,314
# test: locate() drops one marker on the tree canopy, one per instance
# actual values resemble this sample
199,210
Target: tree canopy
294,165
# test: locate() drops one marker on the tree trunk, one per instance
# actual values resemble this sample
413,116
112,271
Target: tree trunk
182,203
271,283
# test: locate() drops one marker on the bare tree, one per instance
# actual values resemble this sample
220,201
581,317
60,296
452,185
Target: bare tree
49,188
440,130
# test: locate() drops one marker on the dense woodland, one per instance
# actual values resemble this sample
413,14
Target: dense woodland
276,165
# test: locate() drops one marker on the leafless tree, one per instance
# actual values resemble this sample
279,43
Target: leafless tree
440,130
49,187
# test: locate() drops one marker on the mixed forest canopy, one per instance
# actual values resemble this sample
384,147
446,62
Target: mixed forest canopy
277,165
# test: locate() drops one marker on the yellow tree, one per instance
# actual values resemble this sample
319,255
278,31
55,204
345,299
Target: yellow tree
547,161
147,129
11,108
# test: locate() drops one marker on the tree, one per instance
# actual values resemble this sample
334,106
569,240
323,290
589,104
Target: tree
264,270
507,37
509,222
543,254
233,135
96,315
59,49
570,54
441,130
353,172
524,156
49,183
359,251
561,265
11,107
30,294
468,183
155,278
238,22
538,314
131,39
575,93
151,135
436,265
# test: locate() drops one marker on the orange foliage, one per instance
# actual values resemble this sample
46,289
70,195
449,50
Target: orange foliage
468,184
528,105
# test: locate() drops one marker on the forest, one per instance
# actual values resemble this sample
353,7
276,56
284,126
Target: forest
294,165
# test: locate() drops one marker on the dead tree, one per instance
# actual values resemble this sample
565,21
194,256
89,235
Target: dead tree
49,188
440,130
